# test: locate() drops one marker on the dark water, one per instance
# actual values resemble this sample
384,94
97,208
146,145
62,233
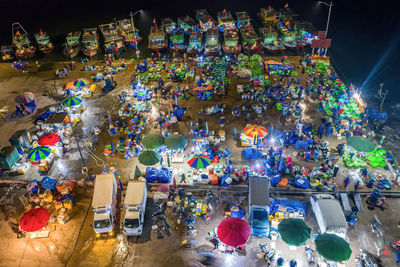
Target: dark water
366,34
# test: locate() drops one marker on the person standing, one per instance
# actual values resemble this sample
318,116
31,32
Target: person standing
346,182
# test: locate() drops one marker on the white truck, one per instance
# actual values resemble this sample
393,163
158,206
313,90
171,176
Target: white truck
329,214
135,207
104,204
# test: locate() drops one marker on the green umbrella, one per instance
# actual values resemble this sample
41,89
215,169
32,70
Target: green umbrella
332,247
153,141
72,101
360,143
149,157
294,232
175,142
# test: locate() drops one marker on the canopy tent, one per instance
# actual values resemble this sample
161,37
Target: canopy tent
199,162
34,220
39,153
360,143
149,157
153,140
72,101
294,232
233,231
49,139
332,247
175,142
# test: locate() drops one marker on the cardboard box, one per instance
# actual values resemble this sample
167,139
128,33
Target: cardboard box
68,204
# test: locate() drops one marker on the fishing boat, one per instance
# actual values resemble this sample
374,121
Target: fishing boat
177,41
129,34
270,40
212,44
268,16
157,39
231,44
205,20
168,25
289,35
242,20
112,41
6,52
43,42
195,45
72,44
307,31
90,42
250,42
225,21
187,24
23,47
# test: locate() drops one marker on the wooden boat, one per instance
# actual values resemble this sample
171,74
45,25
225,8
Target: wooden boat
157,39
129,34
231,44
206,22
112,41
90,42
195,45
168,25
225,21
43,42
268,16
250,42
289,35
270,40
177,41
187,24
23,47
242,20
72,45
212,44
6,52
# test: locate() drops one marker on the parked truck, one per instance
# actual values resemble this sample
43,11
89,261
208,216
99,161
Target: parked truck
259,206
104,204
329,214
135,208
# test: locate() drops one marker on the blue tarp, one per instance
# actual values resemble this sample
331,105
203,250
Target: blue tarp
275,180
49,183
290,205
237,211
251,153
302,183
151,174
164,175
226,180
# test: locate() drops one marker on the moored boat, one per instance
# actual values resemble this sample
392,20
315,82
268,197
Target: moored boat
177,41
129,34
187,24
43,42
195,45
23,48
225,21
242,20
268,16
168,25
157,39
205,20
212,44
112,41
231,45
250,43
90,42
289,35
270,40
72,44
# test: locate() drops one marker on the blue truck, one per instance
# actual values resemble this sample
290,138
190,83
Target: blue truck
259,206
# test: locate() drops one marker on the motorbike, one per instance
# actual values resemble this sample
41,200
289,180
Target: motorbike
266,254
309,255
380,203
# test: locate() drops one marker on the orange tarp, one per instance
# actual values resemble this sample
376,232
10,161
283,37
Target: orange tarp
70,85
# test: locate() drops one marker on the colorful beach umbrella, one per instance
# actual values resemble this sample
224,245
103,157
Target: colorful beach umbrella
199,162
25,98
332,247
149,157
294,232
254,130
49,139
175,142
34,220
153,141
72,101
233,231
81,82
39,153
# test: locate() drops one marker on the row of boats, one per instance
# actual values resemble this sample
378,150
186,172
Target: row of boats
279,31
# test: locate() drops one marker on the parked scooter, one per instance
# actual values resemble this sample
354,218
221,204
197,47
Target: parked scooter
309,255
266,254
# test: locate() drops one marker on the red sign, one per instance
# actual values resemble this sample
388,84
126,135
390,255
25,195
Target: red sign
321,34
322,43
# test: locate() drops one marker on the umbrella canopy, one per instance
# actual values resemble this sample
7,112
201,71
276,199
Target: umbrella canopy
254,130
332,247
153,141
25,98
360,143
175,142
199,162
49,139
81,82
149,157
39,153
72,101
233,231
294,232
34,220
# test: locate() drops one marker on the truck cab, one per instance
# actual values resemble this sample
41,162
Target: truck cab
135,207
259,206
103,222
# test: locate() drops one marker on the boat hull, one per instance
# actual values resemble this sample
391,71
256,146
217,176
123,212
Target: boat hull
158,49
71,53
273,48
89,52
133,43
253,49
46,50
293,45
195,50
231,49
213,50
26,54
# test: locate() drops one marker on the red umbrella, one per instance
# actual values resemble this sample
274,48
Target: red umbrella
49,139
34,220
233,231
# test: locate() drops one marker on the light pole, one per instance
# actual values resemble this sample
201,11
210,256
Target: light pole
133,29
330,4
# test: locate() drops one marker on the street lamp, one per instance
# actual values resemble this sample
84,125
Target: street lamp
133,28
330,4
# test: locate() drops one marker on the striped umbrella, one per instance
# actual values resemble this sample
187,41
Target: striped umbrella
254,130
72,101
25,98
81,82
199,162
39,153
